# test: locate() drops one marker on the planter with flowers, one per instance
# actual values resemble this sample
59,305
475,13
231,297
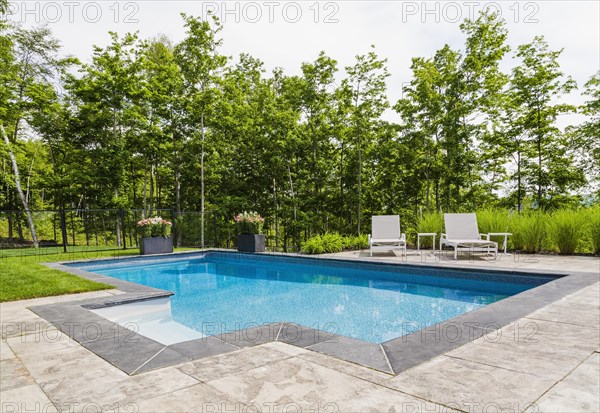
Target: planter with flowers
155,236
249,225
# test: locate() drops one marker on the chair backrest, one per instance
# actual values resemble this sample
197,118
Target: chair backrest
461,226
385,226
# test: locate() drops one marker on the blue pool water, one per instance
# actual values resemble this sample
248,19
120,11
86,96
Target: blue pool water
217,292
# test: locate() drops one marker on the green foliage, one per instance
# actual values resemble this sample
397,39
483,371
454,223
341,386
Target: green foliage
332,242
593,225
157,124
529,231
566,230
493,220
358,242
430,222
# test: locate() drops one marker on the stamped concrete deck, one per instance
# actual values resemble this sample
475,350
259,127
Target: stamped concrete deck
547,361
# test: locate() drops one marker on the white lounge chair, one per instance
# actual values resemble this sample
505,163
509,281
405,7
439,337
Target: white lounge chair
463,234
385,234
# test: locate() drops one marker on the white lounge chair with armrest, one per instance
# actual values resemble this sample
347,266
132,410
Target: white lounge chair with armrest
385,234
463,234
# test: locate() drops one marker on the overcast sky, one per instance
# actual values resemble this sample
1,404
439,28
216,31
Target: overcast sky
287,33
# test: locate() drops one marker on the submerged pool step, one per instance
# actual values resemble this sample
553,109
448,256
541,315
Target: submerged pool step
150,318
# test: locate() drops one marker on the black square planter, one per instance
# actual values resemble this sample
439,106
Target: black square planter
156,245
251,243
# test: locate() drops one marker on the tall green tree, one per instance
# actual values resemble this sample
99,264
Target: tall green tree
316,99
585,138
366,83
536,85
107,115
30,67
447,109
200,65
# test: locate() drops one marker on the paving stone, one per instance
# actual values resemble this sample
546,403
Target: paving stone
5,351
126,354
31,324
167,357
291,382
356,351
212,368
470,386
285,348
42,342
196,398
67,362
109,386
13,375
578,392
569,312
302,336
382,399
26,399
251,336
203,347
351,369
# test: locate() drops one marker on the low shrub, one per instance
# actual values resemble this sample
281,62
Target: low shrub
323,244
358,242
331,242
566,230
529,231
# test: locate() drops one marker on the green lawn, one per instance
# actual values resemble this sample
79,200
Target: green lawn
26,277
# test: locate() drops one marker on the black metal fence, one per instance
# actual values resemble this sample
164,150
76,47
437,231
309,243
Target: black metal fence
74,230
92,230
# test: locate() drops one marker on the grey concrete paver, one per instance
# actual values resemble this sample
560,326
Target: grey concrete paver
24,325
26,399
578,392
13,375
57,364
351,369
5,352
196,398
216,367
42,342
291,382
471,386
539,340
109,386
382,399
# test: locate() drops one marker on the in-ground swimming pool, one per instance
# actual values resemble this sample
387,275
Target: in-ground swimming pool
366,301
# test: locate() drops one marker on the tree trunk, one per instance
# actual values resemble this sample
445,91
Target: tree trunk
276,214
117,222
519,180
145,193
539,148
18,187
202,181
359,184
151,204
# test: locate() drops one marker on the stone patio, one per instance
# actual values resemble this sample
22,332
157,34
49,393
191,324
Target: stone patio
547,361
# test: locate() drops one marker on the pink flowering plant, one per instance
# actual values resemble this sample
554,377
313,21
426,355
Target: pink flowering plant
154,227
249,222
